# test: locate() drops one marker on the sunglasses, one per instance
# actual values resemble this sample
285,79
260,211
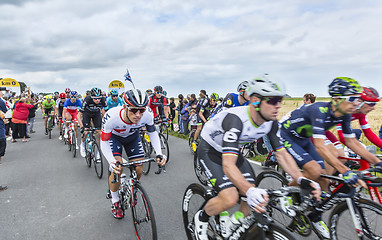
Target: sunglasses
352,99
97,98
73,97
371,104
273,100
158,92
135,110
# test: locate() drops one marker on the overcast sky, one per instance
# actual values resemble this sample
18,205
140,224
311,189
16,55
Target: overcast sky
186,46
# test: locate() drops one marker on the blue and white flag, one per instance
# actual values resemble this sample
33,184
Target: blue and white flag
127,76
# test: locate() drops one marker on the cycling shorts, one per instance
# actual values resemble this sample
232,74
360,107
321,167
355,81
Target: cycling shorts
211,162
48,111
199,121
95,116
72,113
132,144
301,149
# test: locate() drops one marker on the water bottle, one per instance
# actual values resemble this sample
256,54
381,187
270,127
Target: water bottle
235,220
224,224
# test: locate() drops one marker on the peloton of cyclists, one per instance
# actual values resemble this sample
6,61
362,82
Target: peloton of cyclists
120,129
313,120
219,153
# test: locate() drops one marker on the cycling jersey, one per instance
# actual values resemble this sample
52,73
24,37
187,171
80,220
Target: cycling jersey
70,106
113,124
206,109
232,128
362,118
90,106
310,120
60,107
231,100
48,105
157,102
111,103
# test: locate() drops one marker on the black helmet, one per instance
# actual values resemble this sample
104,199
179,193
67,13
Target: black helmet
135,98
95,92
158,89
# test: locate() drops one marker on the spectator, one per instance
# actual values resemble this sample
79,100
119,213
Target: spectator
3,140
179,108
184,115
172,112
19,118
31,116
8,116
309,98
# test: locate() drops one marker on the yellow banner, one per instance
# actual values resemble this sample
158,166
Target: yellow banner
116,84
9,82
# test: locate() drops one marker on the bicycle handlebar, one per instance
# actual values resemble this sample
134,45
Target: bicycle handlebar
363,175
130,164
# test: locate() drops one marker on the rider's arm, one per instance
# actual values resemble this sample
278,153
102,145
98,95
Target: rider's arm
233,126
368,132
357,147
154,138
283,157
106,132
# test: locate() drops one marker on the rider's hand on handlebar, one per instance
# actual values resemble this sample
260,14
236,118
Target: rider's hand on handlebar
116,170
351,178
257,199
311,186
161,159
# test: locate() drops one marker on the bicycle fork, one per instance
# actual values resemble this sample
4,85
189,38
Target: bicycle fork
355,217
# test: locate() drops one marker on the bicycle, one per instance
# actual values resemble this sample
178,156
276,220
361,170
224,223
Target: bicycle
254,226
71,141
344,198
50,125
257,147
93,152
199,172
162,127
148,149
141,208
193,127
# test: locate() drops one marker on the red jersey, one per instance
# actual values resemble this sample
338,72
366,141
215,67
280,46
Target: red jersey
156,104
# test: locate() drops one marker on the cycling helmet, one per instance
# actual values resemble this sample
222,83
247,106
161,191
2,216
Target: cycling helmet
55,93
62,95
369,94
214,96
264,87
114,92
73,94
48,97
149,91
165,93
95,92
67,90
158,89
103,93
344,86
242,86
136,98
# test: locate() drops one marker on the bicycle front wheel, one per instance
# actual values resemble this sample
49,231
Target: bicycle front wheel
143,214
190,140
370,216
164,130
146,149
97,159
164,146
74,145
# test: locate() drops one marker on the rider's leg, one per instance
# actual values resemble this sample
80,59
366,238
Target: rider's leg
115,186
226,199
68,118
198,130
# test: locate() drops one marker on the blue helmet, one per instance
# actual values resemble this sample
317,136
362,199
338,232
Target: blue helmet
95,92
73,94
114,92
344,86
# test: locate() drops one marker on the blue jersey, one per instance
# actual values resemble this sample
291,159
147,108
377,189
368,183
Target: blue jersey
72,106
231,100
312,120
111,103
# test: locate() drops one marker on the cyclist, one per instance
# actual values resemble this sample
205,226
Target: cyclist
70,113
48,109
312,120
67,91
93,109
370,98
56,96
114,100
234,99
149,92
120,129
226,168
158,103
206,106
59,109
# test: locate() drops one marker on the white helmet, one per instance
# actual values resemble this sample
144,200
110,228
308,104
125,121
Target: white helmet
264,87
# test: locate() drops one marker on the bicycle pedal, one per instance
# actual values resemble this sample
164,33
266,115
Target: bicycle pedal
108,195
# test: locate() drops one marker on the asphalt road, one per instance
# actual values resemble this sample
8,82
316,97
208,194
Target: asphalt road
52,195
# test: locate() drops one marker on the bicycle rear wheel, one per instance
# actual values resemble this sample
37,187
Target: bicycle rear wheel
199,171
146,149
143,214
164,146
97,159
370,216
